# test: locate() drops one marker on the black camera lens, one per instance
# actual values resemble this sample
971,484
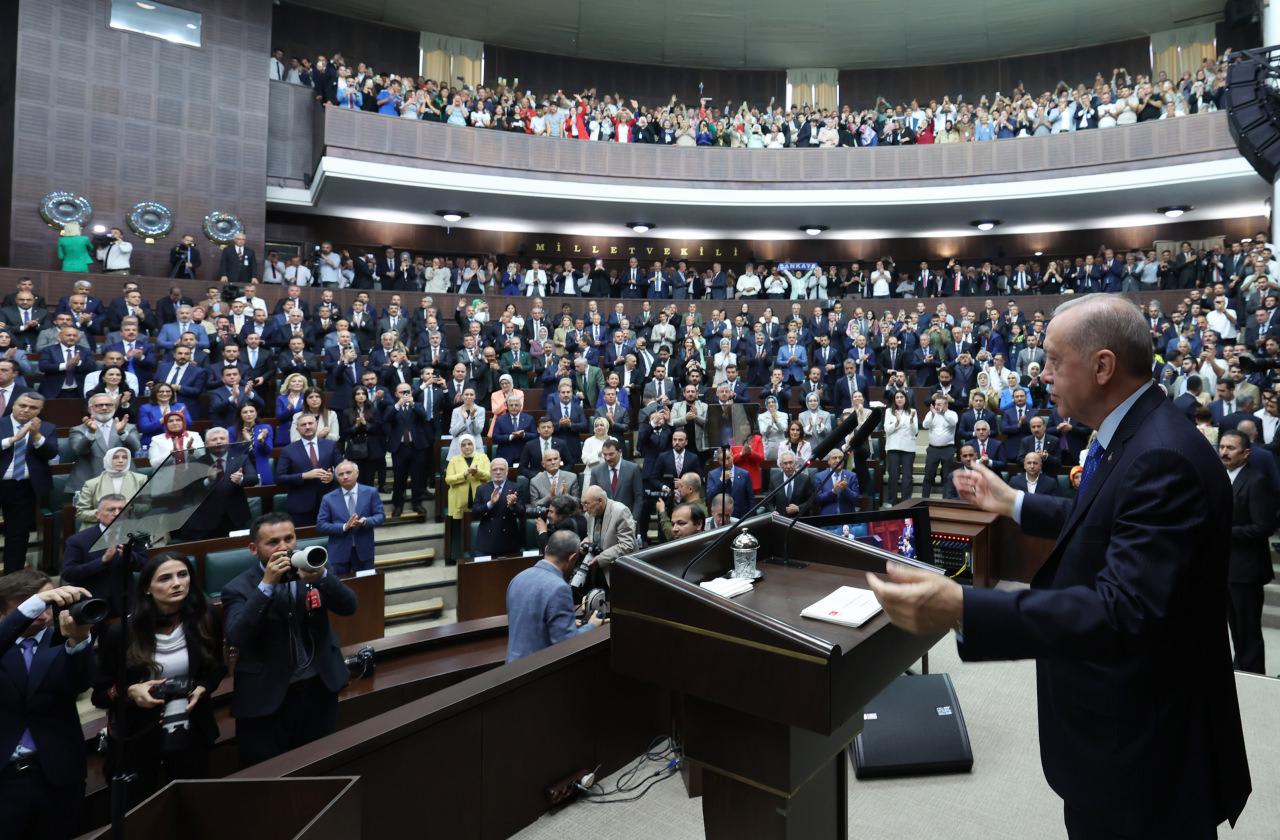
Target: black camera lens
90,611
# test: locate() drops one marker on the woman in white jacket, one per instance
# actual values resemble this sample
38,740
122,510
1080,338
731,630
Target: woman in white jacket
723,360
467,419
799,285
901,428
176,438
773,427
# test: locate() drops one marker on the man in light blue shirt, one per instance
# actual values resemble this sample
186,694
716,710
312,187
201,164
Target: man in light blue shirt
540,603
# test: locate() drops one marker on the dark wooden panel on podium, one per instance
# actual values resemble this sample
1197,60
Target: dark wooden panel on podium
1000,550
770,699
482,586
369,621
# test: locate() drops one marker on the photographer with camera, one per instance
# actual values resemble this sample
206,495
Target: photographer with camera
562,513
290,668
41,742
113,252
611,530
540,609
162,725
97,571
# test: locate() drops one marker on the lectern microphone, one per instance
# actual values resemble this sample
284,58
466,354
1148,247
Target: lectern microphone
830,442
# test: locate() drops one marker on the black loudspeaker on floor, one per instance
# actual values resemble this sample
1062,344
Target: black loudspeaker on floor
912,728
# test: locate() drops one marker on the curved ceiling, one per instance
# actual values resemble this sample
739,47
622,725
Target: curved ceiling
797,33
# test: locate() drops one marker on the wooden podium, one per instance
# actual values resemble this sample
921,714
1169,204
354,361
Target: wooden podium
770,699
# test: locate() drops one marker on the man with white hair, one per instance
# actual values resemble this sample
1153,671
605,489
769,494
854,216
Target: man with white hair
499,513
610,526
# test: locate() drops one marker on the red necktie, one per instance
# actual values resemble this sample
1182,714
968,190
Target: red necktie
613,482
315,461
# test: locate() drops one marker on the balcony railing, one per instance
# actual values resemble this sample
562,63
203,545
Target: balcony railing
298,139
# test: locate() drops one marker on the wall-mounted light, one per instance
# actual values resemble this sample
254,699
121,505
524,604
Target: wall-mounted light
985,224
814,230
1174,211
641,227
1039,253
452,216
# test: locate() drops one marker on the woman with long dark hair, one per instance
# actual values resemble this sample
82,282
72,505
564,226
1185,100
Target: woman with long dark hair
365,441
174,638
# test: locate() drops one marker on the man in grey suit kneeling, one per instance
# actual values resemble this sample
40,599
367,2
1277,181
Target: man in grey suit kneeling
540,609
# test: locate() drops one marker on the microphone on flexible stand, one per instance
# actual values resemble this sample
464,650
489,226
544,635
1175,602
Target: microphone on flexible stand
828,443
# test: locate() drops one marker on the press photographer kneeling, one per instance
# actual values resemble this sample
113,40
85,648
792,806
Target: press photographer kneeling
162,727
540,609
563,513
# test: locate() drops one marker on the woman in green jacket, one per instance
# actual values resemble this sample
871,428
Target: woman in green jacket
74,249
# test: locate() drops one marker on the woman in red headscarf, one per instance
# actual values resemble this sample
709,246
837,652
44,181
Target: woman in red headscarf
176,438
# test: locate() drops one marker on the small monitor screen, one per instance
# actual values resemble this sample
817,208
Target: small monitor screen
894,535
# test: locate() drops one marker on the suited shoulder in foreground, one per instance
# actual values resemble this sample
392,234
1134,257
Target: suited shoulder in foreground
1140,728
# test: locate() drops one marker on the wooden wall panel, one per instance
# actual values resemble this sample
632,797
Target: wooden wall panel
146,120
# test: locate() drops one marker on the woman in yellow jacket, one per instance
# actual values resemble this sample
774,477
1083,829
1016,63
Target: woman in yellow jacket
465,473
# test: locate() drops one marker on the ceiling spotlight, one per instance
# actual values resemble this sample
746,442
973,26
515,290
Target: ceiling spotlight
641,227
813,230
1175,211
1039,253
146,7
452,216
985,224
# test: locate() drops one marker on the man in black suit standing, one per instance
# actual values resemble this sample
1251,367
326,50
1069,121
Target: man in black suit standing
42,779
408,438
96,570
225,508
1126,618
26,446
1253,520
794,498
23,319
290,668
1187,402
238,265
1032,478
499,512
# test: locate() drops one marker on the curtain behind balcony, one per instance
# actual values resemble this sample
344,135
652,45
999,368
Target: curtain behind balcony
815,85
445,58
1176,51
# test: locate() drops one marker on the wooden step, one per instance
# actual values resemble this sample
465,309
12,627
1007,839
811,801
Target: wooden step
429,608
405,558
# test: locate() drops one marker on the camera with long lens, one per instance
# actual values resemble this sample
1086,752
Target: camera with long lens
587,551
1257,364
230,292
89,611
313,558
175,726
361,663
539,511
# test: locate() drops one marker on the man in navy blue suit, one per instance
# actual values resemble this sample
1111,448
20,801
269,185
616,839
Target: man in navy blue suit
1139,722
96,570
835,489
305,467
43,668
139,355
27,444
186,377
569,422
511,431
348,516
727,478
64,366
226,401
343,376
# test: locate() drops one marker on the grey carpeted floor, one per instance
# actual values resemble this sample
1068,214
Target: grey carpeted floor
1005,796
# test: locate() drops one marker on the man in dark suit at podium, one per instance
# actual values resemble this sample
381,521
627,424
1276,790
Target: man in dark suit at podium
1139,722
